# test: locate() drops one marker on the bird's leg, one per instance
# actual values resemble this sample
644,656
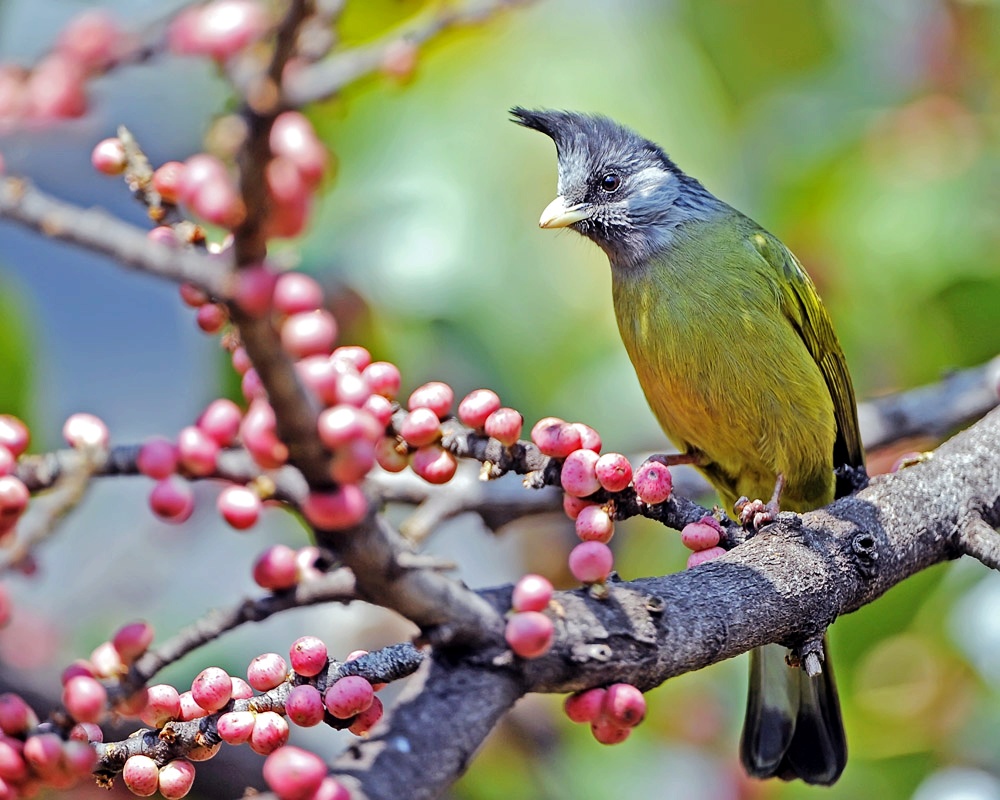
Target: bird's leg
693,457
757,513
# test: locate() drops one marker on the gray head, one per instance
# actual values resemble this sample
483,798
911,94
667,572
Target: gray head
615,187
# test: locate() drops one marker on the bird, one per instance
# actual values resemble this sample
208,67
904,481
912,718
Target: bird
739,362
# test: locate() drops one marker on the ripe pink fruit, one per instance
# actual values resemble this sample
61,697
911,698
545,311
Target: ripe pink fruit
341,424
14,498
189,708
236,727
309,333
594,524
294,774
141,775
383,378
157,458
267,671
211,317
591,562
219,29
531,593
12,766
275,568
701,556
13,434
239,506
331,789
613,471
16,715
400,60
241,689
192,296
585,706
43,752
295,292
107,662
352,461
529,633
55,89
476,406
351,387
701,535
652,482
608,732
176,779
348,696
197,451
380,408
85,431
304,705
308,655
163,703
421,426
434,464
91,39
259,437
85,699
624,705
212,688
7,461
293,137
254,288
132,640
436,396
172,500
166,180
391,455
86,732
574,505
578,476
221,421
78,758
319,373
270,731
353,355
336,510
108,156
555,438
589,438
504,425
367,719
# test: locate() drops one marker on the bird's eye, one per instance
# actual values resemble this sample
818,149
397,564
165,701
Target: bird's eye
610,182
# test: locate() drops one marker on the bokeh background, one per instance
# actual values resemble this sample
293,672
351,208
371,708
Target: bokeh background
865,133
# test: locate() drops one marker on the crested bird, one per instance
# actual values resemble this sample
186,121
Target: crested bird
738,361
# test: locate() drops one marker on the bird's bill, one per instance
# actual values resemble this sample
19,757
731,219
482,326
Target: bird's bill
558,215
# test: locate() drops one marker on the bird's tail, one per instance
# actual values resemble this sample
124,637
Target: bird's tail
792,727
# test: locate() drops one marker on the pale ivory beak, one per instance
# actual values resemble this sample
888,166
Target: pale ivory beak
558,215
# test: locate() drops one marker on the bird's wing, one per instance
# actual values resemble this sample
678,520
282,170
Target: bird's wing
801,304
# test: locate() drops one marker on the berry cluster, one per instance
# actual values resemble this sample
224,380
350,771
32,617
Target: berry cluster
611,712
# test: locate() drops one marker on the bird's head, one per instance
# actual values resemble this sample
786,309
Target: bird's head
615,187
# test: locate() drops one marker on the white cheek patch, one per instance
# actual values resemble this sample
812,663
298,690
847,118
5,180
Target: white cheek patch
650,180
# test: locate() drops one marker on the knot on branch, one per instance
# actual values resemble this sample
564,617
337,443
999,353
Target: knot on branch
864,553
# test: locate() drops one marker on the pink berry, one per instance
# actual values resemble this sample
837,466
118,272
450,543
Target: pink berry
338,510
86,732
197,451
701,556
434,464
331,789
270,731
574,505
85,431
653,482
589,438
204,752
141,775
353,355
219,29
176,779
436,396
400,60
13,434
591,562
367,719
585,706
293,137
157,458
625,705
267,671
555,438
212,688
166,179
421,426
578,476
594,524
308,655
108,156
254,289
172,500
504,425
241,361
531,593
85,699
199,171
348,696
295,292
294,774
608,732
7,461
275,568
16,715
309,333
390,455
529,633
163,703
56,88
241,689
352,388
192,295
352,461
252,386
12,766
476,406
221,421
189,708
380,408
163,235
132,640
211,317
239,506
91,39
700,536
304,705
107,661
341,424
613,471
236,727
43,752
383,378
14,497
78,758
259,437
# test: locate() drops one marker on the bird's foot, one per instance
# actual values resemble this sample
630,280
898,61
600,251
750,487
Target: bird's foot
755,514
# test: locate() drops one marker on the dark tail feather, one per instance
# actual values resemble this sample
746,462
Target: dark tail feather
793,727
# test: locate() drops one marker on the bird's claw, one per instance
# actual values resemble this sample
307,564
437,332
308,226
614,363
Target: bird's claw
755,514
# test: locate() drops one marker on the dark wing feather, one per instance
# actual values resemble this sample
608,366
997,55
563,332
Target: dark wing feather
807,314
